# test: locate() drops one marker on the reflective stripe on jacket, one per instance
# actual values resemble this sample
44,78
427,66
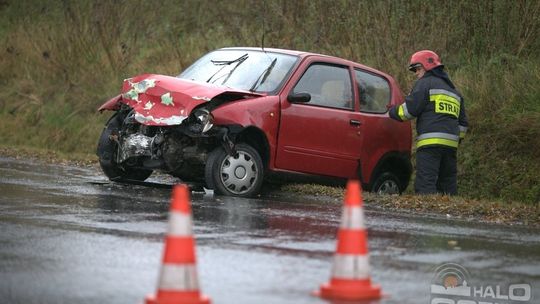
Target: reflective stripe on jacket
439,111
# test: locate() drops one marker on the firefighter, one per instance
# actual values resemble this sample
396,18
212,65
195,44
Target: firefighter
441,124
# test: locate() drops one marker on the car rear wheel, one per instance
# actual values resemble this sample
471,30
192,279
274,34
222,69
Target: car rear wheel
106,151
387,183
236,175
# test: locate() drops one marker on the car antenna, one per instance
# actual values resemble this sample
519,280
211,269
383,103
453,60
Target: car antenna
263,23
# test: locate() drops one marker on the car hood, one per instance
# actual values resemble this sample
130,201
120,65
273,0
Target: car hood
160,100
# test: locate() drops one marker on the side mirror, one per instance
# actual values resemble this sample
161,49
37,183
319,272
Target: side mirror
299,97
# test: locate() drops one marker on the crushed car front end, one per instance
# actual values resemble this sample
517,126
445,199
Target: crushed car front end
166,123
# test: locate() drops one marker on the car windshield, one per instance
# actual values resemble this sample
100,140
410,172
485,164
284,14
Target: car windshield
242,69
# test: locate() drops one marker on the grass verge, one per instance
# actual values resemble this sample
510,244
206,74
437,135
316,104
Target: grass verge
489,211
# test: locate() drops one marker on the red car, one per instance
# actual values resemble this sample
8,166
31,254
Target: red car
239,113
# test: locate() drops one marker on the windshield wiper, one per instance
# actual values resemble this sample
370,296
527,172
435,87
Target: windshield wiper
225,63
263,75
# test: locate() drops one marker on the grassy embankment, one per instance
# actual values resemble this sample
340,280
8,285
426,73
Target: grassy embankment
61,59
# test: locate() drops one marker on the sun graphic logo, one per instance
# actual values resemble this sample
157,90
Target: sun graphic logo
451,279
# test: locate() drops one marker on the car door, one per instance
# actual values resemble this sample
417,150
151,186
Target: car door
380,133
322,136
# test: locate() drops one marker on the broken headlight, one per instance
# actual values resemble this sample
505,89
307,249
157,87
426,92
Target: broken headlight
204,121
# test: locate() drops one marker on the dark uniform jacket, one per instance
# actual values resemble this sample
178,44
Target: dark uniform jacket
438,108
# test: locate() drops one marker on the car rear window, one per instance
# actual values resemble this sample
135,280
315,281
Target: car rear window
374,92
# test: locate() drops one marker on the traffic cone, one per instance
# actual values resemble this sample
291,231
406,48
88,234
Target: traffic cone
178,281
350,270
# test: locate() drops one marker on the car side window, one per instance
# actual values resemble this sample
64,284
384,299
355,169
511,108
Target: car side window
329,86
374,92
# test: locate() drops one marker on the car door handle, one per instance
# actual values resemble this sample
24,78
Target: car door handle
354,122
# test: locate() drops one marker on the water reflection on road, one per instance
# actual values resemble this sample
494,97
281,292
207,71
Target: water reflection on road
68,235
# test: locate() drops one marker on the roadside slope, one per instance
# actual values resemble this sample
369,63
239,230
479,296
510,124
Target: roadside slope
61,59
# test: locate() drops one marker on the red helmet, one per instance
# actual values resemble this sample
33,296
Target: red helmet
428,59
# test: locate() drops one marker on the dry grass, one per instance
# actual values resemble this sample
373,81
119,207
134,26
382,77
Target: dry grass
502,212
48,156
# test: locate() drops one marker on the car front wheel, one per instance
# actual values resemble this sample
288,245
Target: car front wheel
107,149
240,174
387,183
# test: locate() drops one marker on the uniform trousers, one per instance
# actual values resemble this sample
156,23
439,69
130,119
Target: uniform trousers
436,171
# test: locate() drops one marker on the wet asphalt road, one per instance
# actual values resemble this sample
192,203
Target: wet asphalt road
69,236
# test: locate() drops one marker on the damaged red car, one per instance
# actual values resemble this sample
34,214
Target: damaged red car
238,114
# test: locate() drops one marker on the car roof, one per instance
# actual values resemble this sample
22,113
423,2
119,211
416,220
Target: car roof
303,54
273,50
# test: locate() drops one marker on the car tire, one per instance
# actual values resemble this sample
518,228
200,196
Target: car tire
107,150
387,183
239,175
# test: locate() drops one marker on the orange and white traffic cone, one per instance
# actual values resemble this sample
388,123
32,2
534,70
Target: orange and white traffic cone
178,281
350,270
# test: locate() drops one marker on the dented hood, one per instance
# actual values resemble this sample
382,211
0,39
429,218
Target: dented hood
160,100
